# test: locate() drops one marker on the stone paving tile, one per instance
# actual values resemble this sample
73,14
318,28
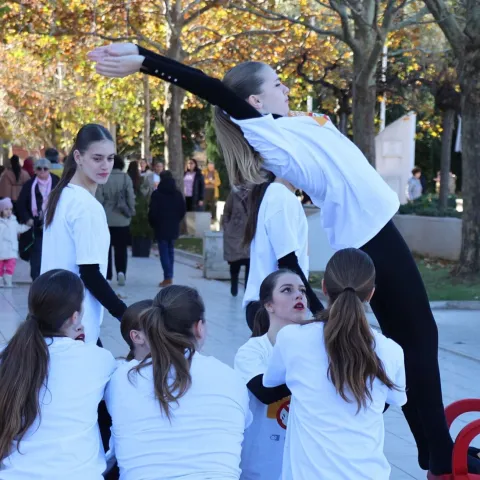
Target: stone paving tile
227,331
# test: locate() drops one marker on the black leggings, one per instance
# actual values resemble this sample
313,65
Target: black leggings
401,306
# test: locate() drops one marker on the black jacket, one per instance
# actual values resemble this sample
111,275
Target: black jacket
23,207
167,209
198,193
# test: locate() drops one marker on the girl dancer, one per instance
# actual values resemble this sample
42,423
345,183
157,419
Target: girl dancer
283,302
76,235
51,383
177,413
340,374
277,232
357,208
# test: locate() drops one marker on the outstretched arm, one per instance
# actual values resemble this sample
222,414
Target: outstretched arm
120,60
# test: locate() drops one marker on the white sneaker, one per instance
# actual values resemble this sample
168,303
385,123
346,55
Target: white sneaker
8,281
121,279
1,282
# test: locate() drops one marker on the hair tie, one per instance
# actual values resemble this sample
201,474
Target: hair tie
349,289
161,308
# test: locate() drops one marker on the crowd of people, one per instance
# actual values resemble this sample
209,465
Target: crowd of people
309,389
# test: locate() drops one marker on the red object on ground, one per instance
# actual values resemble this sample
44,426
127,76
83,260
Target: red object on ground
464,438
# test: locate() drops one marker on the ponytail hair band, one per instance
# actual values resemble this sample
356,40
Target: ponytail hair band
349,289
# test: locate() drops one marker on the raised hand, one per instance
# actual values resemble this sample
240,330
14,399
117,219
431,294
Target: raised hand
119,67
113,50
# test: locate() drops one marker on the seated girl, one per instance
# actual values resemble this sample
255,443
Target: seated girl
132,332
341,373
177,413
283,302
51,383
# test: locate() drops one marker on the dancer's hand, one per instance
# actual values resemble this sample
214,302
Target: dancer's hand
119,66
113,50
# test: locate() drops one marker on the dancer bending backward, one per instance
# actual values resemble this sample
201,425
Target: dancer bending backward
283,302
357,207
341,374
51,383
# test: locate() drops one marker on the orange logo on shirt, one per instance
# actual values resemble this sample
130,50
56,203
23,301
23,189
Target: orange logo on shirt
279,410
321,119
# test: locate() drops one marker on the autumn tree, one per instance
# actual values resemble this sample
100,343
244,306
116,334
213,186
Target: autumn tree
363,25
460,22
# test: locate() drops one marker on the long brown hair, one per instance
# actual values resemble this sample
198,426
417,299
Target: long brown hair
244,164
87,135
131,321
261,322
255,198
168,325
353,364
53,298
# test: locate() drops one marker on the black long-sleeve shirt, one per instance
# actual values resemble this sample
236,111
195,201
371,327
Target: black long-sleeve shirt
195,81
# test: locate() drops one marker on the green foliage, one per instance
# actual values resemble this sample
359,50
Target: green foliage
140,226
427,206
214,155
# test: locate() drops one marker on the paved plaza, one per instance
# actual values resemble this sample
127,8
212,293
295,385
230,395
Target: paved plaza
227,331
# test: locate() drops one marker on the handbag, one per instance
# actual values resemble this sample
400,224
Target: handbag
122,204
25,244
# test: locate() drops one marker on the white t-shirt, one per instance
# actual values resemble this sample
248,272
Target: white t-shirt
79,235
281,229
326,438
355,202
202,441
262,451
66,444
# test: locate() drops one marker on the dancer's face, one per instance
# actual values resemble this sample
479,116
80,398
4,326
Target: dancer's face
97,162
73,327
274,96
289,301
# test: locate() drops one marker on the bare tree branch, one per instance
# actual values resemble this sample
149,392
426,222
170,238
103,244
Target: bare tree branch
449,25
348,36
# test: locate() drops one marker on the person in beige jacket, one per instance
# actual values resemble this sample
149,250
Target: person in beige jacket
12,180
118,200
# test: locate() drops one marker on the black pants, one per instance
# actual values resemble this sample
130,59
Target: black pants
119,237
235,269
36,257
401,306
210,202
189,204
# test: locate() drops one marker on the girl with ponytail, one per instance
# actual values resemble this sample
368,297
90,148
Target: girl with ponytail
341,373
282,302
76,236
51,383
176,413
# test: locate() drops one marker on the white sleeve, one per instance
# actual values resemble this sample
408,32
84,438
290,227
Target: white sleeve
276,373
282,230
249,362
397,396
86,226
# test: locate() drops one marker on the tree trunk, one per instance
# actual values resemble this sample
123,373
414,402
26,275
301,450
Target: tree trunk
173,132
470,86
364,102
343,124
448,125
146,118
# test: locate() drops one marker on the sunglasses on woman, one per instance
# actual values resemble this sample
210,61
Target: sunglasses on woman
45,169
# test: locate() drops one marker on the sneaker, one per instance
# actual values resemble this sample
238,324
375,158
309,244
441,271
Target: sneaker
165,283
1,282
8,281
121,279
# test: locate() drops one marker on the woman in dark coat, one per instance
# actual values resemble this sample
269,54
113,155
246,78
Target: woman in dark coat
194,187
30,210
234,220
167,209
